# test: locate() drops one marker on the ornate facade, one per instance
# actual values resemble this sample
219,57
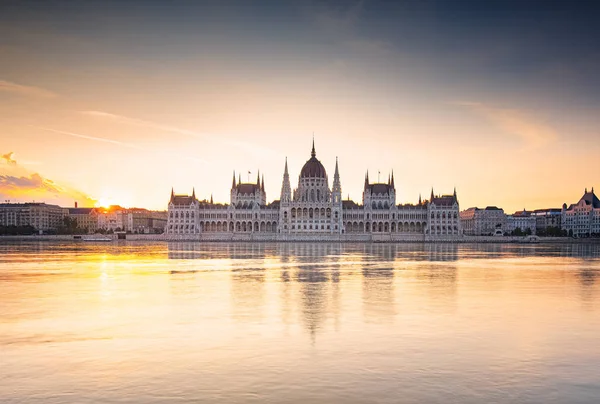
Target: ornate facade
312,211
582,219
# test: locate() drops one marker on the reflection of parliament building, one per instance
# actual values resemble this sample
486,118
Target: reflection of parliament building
313,211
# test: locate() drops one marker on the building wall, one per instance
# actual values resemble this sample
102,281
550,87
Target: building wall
41,216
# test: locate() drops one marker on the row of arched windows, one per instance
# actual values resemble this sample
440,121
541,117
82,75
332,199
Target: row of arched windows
237,226
310,213
384,227
443,215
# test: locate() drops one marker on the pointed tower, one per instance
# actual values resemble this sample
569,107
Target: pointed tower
313,153
193,193
172,195
431,199
420,202
262,185
336,190
211,199
286,189
392,182
258,178
233,198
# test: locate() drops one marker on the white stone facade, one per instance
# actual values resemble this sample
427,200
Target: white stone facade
483,222
522,220
312,211
583,218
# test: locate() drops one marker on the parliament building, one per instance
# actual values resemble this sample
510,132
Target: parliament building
313,211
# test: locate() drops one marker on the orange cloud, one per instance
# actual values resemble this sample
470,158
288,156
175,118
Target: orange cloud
18,184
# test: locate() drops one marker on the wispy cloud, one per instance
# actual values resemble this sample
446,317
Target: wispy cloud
245,146
530,129
87,137
28,91
119,143
141,122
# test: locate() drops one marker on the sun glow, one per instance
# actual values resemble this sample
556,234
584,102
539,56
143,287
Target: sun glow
105,202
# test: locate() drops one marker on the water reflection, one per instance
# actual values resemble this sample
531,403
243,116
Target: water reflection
299,322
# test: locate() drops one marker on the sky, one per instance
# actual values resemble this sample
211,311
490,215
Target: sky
119,102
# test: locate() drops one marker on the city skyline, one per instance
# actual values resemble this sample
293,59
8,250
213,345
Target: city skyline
116,104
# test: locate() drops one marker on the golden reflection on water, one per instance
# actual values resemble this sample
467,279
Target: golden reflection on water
299,322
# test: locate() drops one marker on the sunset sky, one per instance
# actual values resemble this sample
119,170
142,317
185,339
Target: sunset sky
117,102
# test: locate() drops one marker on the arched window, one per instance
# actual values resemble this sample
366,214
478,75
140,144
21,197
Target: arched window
318,195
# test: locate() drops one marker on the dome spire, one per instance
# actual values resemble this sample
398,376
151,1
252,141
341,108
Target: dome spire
313,153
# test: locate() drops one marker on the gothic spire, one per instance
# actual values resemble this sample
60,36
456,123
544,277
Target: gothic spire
420,202
211,199
193,193
313,153
392,183
262,186
258,178
431,194
233,183
239,178
337,186
286,189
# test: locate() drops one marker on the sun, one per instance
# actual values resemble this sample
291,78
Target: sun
104,202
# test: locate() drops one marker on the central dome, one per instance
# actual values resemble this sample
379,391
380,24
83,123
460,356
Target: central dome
313,167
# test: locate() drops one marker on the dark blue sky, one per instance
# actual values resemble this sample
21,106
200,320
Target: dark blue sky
444,85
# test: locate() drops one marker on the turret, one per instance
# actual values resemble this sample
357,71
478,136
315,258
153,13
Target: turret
286,189
336,190
233,183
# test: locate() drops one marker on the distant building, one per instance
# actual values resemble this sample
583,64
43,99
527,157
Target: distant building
41,216
112,218
547,221
582,219
87,218
522,220
313,211
143,221
483,222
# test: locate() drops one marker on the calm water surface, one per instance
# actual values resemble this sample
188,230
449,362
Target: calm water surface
297,323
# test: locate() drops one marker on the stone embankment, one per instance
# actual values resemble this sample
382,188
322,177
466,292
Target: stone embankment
266,237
